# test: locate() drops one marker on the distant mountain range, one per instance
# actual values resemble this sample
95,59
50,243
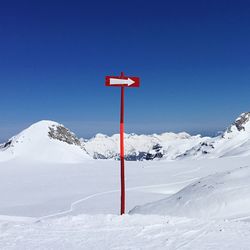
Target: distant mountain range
51,141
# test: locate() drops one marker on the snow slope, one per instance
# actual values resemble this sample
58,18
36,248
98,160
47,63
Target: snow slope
76,206
221,195
45,141
50,205
46,189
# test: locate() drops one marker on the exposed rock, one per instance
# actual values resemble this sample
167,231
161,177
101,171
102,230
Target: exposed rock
136,157
156,152
157,147
63,134
240,122
6,145
99,156
150,156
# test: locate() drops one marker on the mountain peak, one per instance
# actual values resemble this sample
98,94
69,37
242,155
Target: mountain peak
241,124
53,130
242,120
45,140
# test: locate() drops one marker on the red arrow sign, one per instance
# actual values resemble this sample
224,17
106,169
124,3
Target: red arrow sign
122,81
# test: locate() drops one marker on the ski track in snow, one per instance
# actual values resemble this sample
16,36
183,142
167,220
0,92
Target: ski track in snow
187,172
78,202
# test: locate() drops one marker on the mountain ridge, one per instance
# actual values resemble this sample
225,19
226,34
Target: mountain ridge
50,137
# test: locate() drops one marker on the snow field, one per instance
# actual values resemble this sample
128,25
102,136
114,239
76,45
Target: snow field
134,232
54,196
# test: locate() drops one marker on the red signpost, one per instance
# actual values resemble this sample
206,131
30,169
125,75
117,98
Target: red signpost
130,82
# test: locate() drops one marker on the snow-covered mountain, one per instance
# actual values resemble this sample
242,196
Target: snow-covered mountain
235,141
142,147
44,141
50,141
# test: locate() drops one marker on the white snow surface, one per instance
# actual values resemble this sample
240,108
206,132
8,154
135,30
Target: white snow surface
112,232
220,195
76,206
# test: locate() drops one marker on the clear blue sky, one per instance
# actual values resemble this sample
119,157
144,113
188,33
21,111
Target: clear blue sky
192,57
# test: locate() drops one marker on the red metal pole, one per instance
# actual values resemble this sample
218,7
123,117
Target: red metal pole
122,152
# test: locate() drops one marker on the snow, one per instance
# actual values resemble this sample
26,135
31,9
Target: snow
173,145
34,144
235,141
167,146
114,232
220,195
55,196
76,206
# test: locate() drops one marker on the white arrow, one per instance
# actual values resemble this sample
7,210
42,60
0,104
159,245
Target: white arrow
115,81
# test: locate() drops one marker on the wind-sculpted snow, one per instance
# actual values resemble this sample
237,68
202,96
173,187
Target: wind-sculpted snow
221,195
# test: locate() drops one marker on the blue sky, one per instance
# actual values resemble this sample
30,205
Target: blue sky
192,57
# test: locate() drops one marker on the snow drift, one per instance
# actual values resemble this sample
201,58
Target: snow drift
221,195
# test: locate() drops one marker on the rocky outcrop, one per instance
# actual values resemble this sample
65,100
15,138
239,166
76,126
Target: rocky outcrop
5,145
240,122
59,132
